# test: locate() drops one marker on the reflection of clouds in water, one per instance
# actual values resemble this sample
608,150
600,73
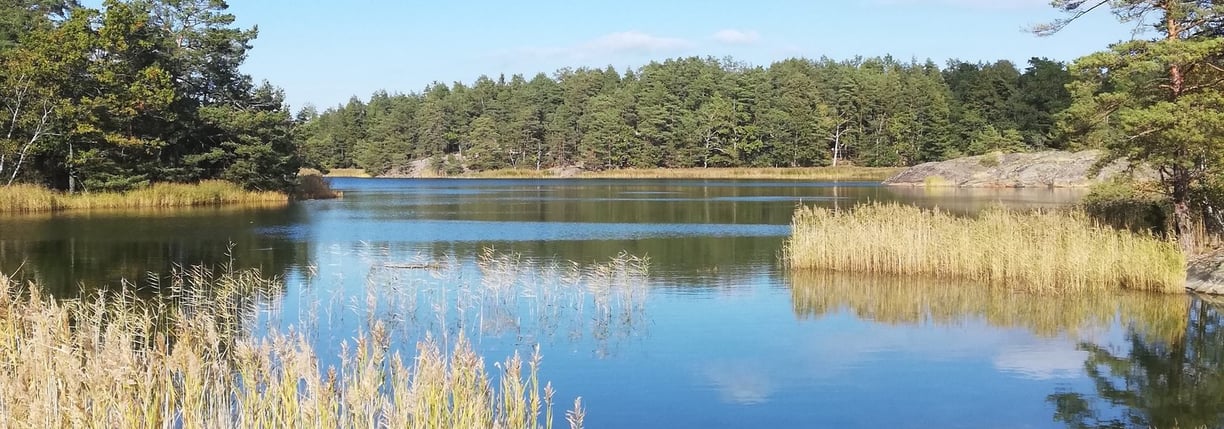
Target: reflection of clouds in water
1041,361
738,382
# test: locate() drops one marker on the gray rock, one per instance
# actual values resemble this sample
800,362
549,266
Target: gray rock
1052,169
1205,274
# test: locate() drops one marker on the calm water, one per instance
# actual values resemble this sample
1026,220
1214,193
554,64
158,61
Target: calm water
718,335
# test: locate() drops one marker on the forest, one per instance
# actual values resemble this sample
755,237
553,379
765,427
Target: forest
701,112
144,91
139,92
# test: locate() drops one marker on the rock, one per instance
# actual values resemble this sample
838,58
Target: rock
1052,169
1205,274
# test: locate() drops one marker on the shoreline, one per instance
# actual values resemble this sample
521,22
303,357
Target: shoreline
18,199
847,174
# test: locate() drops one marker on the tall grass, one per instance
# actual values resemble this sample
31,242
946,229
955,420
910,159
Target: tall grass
843,173
111,360
30,198
1050,251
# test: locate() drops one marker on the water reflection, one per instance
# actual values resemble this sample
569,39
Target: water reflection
65,251
497,296
972,200
1160,382
915,301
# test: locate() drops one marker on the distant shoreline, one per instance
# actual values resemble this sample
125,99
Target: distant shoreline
844,173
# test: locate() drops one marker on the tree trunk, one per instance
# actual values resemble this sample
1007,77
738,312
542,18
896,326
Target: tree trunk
1183,219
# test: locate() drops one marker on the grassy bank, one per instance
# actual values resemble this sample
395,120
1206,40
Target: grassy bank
871,174
111,360
1040,251
30,198
866,174
347,172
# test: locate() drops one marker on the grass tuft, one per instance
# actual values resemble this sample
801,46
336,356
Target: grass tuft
31,198
113,360
1039,251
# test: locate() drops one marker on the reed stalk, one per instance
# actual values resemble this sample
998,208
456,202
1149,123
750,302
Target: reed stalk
1048,251
30,198
111,360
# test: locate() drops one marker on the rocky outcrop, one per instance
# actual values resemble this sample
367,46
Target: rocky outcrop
1205,274
1053,169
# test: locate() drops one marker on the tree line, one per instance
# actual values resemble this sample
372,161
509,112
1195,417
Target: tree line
701,112
139,91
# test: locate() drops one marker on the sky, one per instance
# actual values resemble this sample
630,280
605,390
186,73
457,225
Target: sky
324,52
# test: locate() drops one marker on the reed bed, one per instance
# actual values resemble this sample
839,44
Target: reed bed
843,173
1048,251
112,360
851,173
505,293
912,300
30,198
347,172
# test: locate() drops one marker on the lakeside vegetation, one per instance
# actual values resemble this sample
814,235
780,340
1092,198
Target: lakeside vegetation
841,173
699,113
1051,251
114,360
33,198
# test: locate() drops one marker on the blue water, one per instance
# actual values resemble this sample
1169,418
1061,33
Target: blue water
718,334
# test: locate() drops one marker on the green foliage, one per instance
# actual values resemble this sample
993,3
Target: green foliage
1159,101
144,91
1129,205
699,112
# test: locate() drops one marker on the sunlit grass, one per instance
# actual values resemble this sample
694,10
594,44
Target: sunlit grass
30,198
115,361
1052,251
867,174
347,172
844,173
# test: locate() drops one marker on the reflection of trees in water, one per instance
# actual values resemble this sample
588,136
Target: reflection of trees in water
500,294
64,252
908,300
1158,383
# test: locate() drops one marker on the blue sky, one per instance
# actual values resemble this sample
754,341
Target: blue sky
324,52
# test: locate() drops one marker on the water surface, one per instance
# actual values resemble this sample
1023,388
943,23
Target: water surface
718,335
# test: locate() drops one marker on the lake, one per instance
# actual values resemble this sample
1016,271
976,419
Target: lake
716,334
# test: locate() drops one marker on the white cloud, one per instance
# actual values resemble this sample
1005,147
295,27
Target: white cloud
625,42
736,37
635,42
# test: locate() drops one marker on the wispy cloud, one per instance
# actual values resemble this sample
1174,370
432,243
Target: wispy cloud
621,43
736,37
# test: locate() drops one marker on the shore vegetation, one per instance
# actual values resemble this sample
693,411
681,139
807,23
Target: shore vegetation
1043,251
111,359
32,198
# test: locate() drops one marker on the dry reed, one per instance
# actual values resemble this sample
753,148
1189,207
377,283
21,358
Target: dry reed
30,198
112,360
1051,251
844,173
